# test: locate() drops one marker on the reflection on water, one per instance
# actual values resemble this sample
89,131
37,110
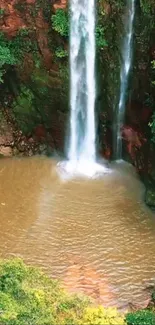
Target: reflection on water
94,235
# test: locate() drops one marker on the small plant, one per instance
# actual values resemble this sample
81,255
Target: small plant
141,317
60,22
100,38
23,32
145,6
24,110
61,53
2,12
6,58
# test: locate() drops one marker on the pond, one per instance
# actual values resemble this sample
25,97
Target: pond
96,236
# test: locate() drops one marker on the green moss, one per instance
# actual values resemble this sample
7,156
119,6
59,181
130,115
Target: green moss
24,110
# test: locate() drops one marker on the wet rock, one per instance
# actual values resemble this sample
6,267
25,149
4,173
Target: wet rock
6,151
12,20
138,306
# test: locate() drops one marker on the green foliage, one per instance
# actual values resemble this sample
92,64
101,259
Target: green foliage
6,58
100,37
141,317
13,51
23,32
60,22
61,53
28,297
145,6
102,316
24,110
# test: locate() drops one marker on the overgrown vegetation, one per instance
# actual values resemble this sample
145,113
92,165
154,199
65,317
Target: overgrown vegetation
27,296
60,22
24,110
13,51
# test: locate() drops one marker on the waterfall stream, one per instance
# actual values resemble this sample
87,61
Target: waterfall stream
126,65
82,65
82,143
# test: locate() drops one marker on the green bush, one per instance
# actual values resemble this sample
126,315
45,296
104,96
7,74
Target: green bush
24,110
141,317
100,38
61,53
60,22
145,6
6,58
28,297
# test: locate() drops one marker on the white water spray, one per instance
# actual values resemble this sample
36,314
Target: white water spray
82,65
82,144
126,65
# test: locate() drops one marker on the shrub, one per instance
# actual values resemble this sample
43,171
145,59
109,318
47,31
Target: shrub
102,316
141,317
29,297
61,53
24,110
60,22
6,58
100,38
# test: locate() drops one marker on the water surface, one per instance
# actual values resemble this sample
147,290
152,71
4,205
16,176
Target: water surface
96,236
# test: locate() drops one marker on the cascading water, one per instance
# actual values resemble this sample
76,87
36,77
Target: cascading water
126,65
82,151
82,64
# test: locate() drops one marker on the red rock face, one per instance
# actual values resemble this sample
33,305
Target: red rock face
60,4
12,20
15,19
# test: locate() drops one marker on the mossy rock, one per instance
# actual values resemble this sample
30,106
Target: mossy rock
150,197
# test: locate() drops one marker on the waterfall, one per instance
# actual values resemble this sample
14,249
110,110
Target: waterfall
82,143
82,65
126,65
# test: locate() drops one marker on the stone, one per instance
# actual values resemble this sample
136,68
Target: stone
6,151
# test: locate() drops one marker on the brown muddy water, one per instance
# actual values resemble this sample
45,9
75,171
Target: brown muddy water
96,236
